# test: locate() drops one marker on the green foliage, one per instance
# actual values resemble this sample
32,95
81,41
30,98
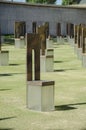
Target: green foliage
69,2
42,1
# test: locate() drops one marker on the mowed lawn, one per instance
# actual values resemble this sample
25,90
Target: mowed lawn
70,93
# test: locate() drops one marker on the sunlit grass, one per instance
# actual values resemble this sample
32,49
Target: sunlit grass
70,93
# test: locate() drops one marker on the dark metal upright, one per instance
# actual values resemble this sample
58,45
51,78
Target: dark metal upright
20,29
34,27
33,42
58,29
0,38
84,39
75,34
41,30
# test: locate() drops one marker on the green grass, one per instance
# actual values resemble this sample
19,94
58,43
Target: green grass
70,93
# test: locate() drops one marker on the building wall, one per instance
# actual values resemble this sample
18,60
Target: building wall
11,12
82,1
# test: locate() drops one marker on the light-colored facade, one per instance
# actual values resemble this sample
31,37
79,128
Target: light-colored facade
14,11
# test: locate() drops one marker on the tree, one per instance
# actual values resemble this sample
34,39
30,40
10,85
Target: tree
69,2
42,1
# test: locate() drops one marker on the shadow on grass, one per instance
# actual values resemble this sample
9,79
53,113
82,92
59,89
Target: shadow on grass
58,61
63,70
4,89
10,74
60,70
6,129
13,64
9,42
68,106
64,108
54,129
6,118
5,74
